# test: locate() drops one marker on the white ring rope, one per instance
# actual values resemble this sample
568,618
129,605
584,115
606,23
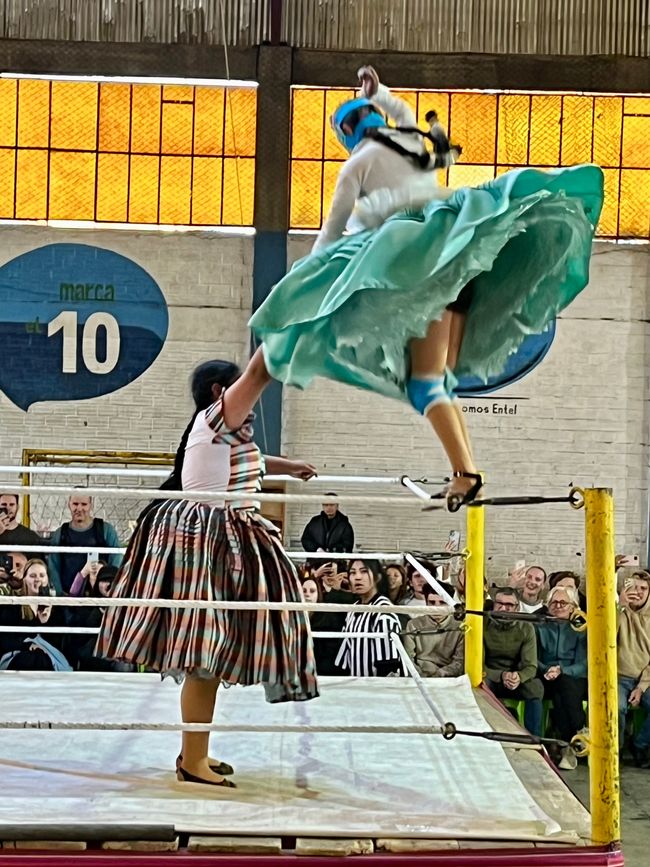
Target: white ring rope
205,604
221,727
163,473
437,586
43,629
204,496
415,674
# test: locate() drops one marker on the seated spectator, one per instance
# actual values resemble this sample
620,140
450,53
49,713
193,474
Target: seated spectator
532,589
12,569
82,531
399,591
435,641
11,532
329,531
510,659
331,586
634,662
30,651
459,590
369,657
567,578
562,666
417,583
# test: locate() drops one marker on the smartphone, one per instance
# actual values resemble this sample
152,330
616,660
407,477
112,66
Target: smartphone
454,540
93,557
519,565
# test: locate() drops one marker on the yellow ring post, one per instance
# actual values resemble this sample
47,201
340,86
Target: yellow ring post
601,666
474,600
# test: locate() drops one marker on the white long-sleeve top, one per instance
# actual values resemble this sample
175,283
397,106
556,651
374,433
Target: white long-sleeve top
377,180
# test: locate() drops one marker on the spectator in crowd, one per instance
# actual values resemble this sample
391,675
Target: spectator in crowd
82,531
331,586
12,569
510,660
417,583
562,667
435,641
532,589
634,662
12,532
30,651
369,657
399,591
329,531
566,578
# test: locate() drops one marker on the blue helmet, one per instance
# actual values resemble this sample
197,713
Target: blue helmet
349,112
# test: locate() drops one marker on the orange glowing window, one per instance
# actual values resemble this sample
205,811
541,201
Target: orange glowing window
115,152
498,131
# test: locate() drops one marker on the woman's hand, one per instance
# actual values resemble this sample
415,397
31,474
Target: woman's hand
43,613
302,470
369,81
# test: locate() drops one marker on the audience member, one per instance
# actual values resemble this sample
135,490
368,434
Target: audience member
12,569
634,662
510,659
11,532
566,578
562,666
82,531
368,657
532,589
417,583
434,641
80,649
331,531
397,580
331,586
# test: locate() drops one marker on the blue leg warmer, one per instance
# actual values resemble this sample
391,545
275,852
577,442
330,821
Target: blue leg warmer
426,393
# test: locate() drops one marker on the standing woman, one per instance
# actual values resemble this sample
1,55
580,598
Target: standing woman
184,549
369,657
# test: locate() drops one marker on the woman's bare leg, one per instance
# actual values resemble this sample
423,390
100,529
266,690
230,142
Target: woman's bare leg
198,697
428,360
456,331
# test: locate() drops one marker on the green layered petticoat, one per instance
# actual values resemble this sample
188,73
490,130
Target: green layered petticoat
349,311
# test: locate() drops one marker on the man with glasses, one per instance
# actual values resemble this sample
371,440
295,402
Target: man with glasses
510,657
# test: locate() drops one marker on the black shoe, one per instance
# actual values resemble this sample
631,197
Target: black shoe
455,501
184,776
639,756
221,768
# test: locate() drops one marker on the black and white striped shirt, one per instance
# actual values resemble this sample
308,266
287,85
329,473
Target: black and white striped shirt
359,656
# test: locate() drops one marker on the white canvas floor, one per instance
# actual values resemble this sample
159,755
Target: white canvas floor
308,784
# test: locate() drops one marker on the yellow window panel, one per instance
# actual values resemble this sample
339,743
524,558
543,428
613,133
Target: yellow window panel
112,188
177,128
637,105
330,174
31,185
241,122
7,182
206,191
473,124
175,190
143,196
114,117
33,113
305,209
408,96
608,223
72,186
469,176
178,92
439,102
307,123
577,127
545,129
208,121
333,150
634,216
74,115
145,119
608,117
238,191
636,142
513,129
8,89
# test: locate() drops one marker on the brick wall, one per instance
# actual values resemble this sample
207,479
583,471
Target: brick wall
580,417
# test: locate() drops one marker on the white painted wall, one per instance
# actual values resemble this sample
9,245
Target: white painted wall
581,416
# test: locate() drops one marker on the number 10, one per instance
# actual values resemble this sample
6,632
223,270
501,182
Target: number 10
67,322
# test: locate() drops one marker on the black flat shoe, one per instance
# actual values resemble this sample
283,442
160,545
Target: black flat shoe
221,768
184,776
455,501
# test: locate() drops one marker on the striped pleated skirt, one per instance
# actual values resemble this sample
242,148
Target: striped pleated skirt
196,551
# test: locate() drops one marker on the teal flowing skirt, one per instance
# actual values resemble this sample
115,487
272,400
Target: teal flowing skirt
349,311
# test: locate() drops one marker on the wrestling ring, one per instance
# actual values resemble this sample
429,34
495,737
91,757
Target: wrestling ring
403,770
